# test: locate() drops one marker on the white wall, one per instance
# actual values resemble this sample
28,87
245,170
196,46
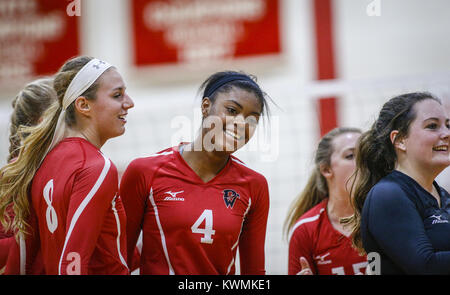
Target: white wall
384,54
408,37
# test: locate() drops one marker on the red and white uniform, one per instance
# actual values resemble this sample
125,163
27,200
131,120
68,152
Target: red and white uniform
80,217
192,227
25,257
327,250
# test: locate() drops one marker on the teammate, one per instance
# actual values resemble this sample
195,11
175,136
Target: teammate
196,203
74,209
28,107
400,211
318,243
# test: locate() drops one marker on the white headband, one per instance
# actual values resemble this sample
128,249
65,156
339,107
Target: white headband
85,77
83,80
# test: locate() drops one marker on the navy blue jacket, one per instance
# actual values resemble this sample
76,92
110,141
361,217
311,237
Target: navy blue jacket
405,225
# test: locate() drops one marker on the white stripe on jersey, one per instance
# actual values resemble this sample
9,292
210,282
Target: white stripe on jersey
23,254
304,220
237,242
161,232
239,162
116,215
161,154
83,205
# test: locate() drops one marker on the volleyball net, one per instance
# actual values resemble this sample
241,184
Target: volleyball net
283,146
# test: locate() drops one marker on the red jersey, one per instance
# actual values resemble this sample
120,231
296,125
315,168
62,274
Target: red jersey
6,241
25,257
6,237
327,250
81,219
193,227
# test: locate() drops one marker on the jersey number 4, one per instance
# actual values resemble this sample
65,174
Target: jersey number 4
207,231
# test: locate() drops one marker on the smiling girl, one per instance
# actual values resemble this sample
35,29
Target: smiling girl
64,190
400,211
196,203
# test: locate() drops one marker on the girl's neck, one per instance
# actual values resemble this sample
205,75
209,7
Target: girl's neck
424,177
338,207
205,164
86,134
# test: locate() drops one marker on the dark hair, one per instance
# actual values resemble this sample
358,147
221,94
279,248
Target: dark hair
248,83
376,156
316,189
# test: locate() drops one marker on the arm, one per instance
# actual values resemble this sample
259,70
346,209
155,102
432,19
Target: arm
300,246
397,226
253,236
23,257
92,193
134,195
5,245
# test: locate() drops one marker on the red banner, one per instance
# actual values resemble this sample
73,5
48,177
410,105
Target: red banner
191,31
36,38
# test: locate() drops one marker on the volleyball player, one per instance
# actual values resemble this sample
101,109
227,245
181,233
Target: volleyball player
196,203
28,108
318,242
74,206
400,211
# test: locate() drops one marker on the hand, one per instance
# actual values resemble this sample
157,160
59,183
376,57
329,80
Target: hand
306,270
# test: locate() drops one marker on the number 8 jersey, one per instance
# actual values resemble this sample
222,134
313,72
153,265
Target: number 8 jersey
193,227
81,221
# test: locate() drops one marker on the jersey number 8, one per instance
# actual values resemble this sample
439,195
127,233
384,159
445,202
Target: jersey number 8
50,214
207,231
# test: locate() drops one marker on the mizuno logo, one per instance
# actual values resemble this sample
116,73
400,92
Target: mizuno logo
173,196
437,219
321,259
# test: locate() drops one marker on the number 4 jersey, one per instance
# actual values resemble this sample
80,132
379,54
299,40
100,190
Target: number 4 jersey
193,227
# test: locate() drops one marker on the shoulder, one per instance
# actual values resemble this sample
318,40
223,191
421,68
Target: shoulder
152,161
391,192
77,154
387,186
248,173
94,159
310,220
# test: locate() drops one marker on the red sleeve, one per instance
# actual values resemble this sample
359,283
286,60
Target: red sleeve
136,259
6,239
133,192
94,188
24,256
5,245
253,236
300,245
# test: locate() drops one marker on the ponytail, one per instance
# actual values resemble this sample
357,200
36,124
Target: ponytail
374,160
16,177
28,107
376,156
316,188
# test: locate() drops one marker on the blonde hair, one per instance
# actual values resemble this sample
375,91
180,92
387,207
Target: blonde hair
316,188
16,177
28,107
